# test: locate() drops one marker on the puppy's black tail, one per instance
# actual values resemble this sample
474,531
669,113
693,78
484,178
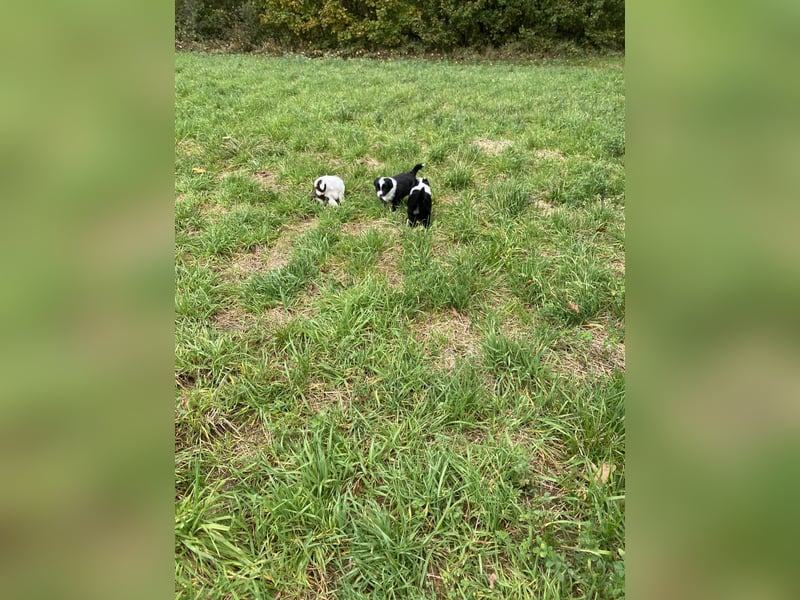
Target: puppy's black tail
416,168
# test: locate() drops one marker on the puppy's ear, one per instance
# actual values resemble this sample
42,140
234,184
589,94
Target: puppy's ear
375,183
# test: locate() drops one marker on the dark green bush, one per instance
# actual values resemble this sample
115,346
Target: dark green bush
237,22
404,24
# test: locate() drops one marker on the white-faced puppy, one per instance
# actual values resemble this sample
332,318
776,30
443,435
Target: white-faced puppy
330,189
419,204
394,189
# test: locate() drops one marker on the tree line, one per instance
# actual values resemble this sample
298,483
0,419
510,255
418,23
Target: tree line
404,25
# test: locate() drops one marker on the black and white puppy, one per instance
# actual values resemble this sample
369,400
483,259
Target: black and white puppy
328,189
394,189
419,204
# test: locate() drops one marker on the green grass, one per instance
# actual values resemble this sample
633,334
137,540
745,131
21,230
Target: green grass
366,410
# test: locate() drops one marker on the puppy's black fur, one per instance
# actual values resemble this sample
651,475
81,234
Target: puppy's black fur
419,204
394,189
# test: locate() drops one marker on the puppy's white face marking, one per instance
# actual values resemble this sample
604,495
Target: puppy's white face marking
386,196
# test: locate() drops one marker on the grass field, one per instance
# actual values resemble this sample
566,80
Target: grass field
366,410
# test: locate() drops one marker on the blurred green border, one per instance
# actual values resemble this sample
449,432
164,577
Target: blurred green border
712,150
86,308
713,291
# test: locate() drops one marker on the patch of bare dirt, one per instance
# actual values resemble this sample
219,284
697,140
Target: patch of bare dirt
443,198
225,174
492,147
278,255
598,357
371,163
249,439
387,266
190,148
547,459
320,395
475,436
244,264
301,227
362,226
547,153
448,336
513,328
215,209
266,179
334,268
236,318
276,316
233,317
543,206
261,259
